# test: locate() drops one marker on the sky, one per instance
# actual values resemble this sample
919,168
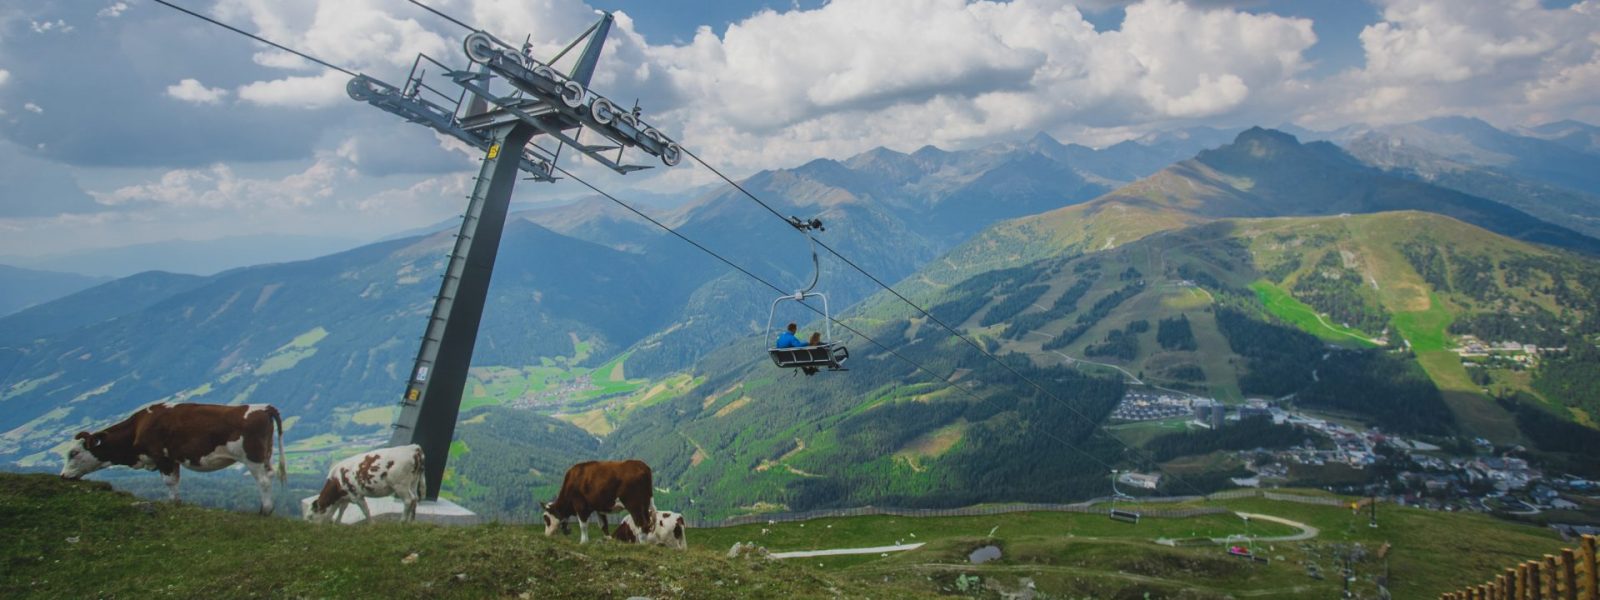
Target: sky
125,122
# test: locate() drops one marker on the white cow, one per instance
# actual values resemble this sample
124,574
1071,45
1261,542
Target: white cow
384,472
668,530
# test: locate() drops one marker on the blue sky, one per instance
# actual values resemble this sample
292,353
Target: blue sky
123,122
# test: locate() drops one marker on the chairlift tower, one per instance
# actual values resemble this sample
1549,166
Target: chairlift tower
544,102
503,124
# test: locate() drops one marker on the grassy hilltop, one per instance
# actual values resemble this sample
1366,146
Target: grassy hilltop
81,539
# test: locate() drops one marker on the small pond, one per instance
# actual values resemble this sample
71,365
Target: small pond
984,554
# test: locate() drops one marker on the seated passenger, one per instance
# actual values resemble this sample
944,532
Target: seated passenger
816,339
787,338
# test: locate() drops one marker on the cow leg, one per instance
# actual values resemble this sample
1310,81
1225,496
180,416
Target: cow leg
169,474
361,503
583,528
409,498
263,474
605,529
338,515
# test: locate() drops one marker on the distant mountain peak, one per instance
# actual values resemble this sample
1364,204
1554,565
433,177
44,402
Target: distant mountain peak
1043,140
1262,134
1457,121
929,151
879,153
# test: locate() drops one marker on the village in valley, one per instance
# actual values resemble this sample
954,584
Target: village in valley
1477,476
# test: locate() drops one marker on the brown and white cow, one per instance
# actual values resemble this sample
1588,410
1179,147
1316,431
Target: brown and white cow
383,472
595,487
200,437
667,531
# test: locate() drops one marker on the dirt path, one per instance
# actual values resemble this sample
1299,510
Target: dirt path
1306,531
847,551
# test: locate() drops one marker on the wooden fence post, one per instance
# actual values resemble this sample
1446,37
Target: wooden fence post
1567,573
1527,581
1589,588
1552,577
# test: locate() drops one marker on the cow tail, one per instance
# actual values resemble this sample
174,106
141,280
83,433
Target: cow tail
283,468
650,510
422,481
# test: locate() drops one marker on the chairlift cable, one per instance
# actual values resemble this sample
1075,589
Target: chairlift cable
929,315
259,38
914,364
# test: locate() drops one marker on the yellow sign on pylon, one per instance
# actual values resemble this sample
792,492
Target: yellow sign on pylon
494,150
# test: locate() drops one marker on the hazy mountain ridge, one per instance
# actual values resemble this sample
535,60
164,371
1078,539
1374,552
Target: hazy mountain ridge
21,288
203,257
1552,203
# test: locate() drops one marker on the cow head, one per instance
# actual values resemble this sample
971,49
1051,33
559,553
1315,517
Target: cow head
319,513
553,520
327,502
84,455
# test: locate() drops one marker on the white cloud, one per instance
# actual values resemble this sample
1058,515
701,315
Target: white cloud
218,187
841,78
783,87
113,11
192,91
33,108
1505,60
318,91
4,76
47,26
364,35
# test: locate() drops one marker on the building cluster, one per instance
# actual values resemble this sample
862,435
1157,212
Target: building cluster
1147,481
1504,472
1209,412
1527,354
558,392
1490,480
1148,405
1142,405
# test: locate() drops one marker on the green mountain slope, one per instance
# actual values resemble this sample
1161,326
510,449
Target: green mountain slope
324,340
1403,281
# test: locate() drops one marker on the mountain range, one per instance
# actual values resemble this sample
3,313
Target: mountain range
21,288
198,257
1212,262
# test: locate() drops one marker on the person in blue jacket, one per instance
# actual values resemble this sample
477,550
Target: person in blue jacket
787,339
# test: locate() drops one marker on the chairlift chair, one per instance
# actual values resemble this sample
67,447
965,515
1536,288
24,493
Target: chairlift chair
1126,516
830,354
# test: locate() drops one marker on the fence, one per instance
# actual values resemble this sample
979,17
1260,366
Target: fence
1567,576
1088,507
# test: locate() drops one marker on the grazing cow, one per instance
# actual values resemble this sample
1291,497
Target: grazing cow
201,437
383,472
595,487
667,531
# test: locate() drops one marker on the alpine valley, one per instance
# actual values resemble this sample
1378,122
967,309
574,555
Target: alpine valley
1375,278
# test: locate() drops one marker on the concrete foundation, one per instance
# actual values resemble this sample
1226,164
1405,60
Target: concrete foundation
440,512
